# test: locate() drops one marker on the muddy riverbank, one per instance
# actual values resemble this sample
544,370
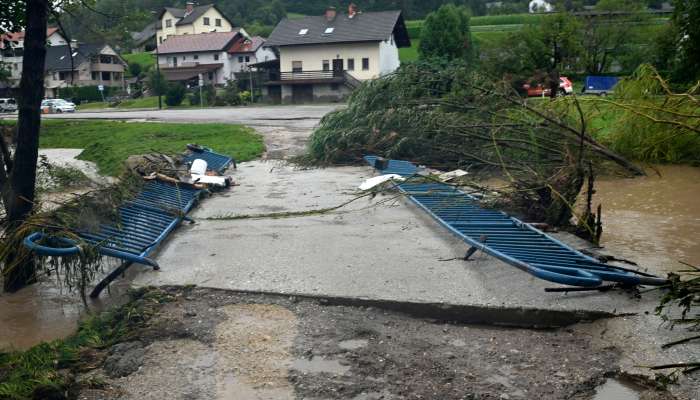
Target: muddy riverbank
215,344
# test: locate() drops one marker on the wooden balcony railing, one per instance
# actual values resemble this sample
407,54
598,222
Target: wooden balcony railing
310,75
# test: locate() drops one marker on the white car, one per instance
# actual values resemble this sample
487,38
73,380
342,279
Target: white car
61,106
8,105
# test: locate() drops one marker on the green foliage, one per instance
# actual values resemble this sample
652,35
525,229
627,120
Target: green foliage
445,33
145,60
687,33
175,95
4,72
157,83
135,70
109,151
23,373
647,121
81,94
232,96
208,94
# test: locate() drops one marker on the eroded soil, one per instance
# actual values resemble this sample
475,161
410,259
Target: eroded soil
215,344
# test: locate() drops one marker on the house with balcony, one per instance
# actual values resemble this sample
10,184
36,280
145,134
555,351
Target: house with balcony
216,56
191,20
82,65
323,58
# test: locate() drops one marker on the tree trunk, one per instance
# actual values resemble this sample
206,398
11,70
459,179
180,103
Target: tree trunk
18,194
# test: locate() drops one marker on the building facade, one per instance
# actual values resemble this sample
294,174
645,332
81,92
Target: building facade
87,65
191,20
323,58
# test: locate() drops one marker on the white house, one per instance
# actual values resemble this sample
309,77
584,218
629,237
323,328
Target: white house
217,56
12,51
191,20
538,6
325,57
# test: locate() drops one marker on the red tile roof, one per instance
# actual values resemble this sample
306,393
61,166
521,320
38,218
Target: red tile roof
214,41
17,36
247,46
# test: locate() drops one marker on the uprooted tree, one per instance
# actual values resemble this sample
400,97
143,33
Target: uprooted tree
444,115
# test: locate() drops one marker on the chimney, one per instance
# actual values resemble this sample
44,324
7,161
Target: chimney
330,13
189,7
352,10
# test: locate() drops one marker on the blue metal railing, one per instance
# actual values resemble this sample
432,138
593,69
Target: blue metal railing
215,161
505,237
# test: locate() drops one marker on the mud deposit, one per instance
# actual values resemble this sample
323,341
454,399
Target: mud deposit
215,344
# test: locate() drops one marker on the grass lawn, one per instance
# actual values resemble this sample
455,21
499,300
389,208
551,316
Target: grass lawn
143,102
147,60
110,143
410,53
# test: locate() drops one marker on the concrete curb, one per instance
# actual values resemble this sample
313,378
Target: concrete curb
519,317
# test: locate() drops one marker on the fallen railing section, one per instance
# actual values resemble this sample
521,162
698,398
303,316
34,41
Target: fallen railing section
504,237
142,224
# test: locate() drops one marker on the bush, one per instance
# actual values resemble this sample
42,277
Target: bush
231,95
157,83
246,97
209,93
176,93
79,94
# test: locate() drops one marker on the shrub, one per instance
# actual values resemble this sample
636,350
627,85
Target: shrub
176,93
245,97
209,93
157,83
231,95
79,94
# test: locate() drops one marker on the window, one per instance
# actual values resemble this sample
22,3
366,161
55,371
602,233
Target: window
217,22
365,64
303,32
247,58
106,76
95,76
160,39
240,59
184,58
211,76
329,30
351,64
206,21
196,56
326,65
117,76
168,23
175,61
296,66
216,57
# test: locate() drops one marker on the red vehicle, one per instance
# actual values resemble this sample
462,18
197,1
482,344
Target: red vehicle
565,87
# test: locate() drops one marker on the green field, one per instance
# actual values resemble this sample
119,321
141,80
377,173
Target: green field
110,143
146,60
410,53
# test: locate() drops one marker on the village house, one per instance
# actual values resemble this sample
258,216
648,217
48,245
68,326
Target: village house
216,56
322,58
12,51
90,65
191,20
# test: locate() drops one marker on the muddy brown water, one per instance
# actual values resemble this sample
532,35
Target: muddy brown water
654,220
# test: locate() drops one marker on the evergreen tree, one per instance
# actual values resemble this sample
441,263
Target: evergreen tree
446,34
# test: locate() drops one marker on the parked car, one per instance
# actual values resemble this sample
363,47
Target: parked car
565,87
600,85
8,105
57,106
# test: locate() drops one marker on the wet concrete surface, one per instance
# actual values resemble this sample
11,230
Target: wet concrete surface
380,248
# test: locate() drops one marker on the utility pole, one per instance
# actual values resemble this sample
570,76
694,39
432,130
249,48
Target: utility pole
250,77
160,101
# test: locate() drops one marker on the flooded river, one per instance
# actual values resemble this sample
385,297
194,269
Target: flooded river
654,220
